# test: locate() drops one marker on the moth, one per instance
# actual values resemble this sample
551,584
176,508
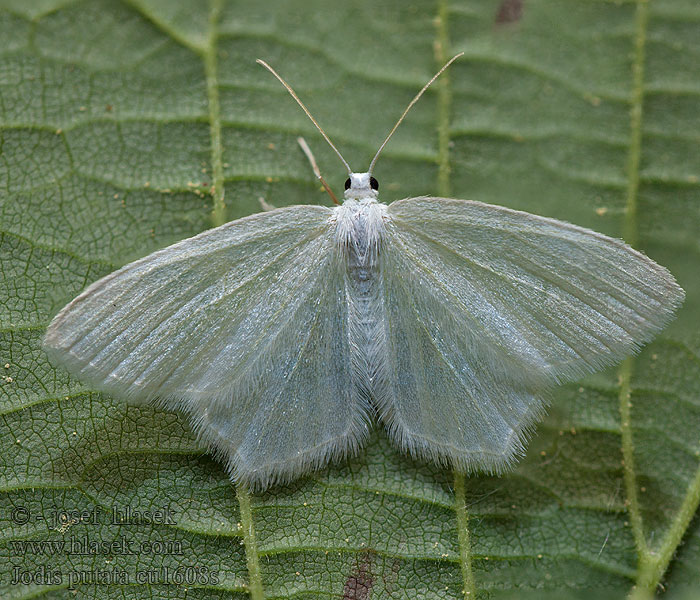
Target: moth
285,335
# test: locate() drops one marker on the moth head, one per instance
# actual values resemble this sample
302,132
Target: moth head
361,185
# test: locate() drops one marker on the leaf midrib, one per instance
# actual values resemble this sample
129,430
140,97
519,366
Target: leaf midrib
218,218
444,90
652,563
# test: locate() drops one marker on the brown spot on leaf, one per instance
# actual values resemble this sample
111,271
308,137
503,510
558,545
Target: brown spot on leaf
358,585
510,11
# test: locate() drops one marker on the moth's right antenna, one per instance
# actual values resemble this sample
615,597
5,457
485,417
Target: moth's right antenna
306,110
401,118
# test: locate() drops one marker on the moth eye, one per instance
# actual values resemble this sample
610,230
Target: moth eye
347,183
373,183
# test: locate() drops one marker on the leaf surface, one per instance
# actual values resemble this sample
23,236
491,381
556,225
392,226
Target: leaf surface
126,126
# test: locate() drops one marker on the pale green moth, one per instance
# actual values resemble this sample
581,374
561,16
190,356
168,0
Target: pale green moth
285,334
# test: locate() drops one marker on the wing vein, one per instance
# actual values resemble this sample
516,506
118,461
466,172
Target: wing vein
189,296
592,331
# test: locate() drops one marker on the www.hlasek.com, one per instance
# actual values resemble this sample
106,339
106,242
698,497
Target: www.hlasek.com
85,546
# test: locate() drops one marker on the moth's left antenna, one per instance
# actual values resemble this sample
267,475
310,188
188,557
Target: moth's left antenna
306,110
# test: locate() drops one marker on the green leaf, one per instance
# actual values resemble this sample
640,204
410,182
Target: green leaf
126,126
